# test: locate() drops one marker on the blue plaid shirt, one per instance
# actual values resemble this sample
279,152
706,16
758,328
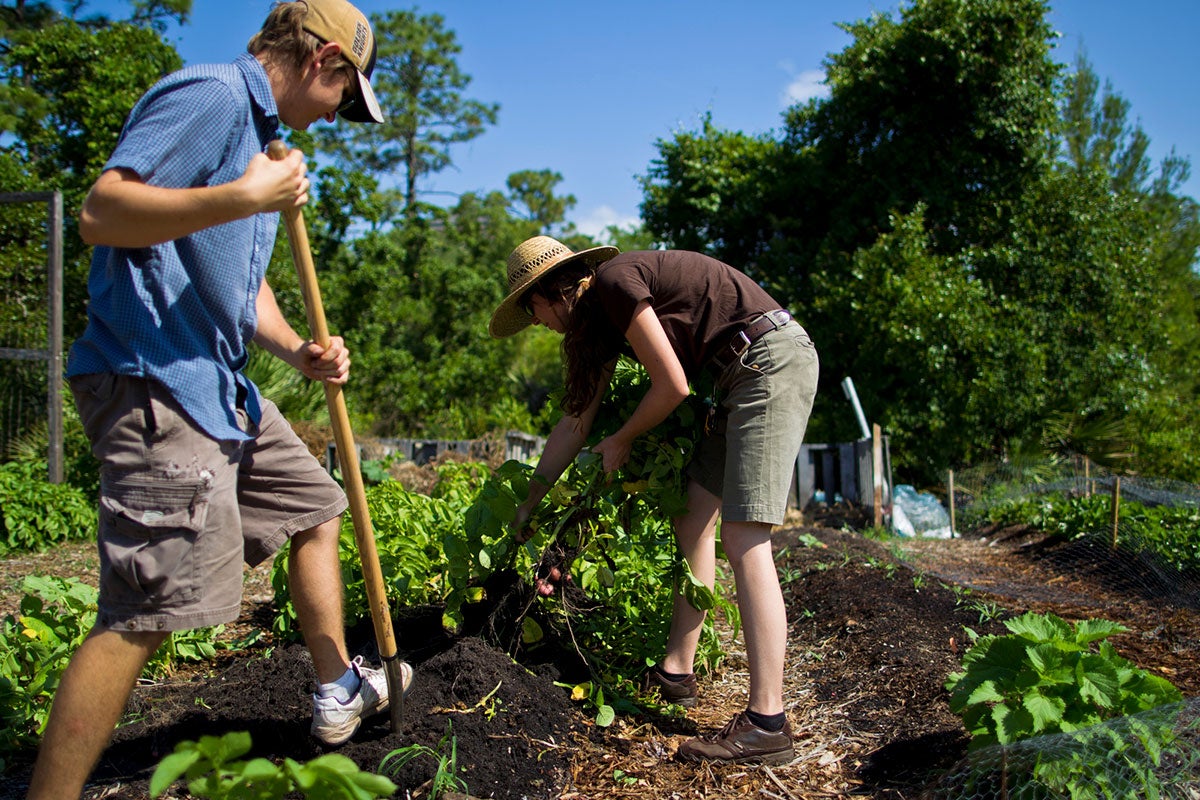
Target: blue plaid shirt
182,312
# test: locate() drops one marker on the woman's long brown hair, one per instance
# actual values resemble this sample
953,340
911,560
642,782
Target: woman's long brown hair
586,351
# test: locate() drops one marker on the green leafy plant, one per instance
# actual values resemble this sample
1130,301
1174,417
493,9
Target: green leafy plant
409,528
889,567
211,770
445,778
1168,532
623,778
35,513
80,468
54,617
964,599
611,533
192,646
1045,677
630,565
622,561
593,694
1114,760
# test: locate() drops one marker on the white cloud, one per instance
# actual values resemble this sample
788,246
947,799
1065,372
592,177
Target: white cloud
596,220
803,87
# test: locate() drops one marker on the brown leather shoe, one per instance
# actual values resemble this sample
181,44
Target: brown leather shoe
743,742
682,692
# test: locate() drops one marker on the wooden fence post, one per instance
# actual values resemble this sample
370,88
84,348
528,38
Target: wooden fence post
950,498
1116,509
877,466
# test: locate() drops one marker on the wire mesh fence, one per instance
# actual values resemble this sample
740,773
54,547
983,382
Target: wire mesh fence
23,390
979,488
31,322
1138,538
1155,754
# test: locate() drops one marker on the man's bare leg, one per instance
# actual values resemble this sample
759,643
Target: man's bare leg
316,585
87,706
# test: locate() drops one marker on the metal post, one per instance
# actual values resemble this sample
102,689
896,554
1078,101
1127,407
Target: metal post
852,396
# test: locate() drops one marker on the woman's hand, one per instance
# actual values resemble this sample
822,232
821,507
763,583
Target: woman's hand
614,450
520,525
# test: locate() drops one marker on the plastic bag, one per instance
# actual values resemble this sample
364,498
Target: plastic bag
919,513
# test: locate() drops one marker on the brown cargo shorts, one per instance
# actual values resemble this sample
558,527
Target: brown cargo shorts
180,511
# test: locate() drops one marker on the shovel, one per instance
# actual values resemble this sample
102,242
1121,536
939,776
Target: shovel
343,437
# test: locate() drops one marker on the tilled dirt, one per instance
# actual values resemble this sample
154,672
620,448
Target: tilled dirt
875,628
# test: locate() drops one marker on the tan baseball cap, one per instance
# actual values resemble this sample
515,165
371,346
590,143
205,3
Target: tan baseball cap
340,22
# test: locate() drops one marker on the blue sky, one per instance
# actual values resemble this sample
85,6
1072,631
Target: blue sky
585,89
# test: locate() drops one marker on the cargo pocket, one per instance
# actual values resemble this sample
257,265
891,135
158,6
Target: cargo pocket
147,540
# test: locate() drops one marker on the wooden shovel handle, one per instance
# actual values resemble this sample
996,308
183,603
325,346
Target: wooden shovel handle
343,436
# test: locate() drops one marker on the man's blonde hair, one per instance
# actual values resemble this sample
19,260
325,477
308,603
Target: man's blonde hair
283,38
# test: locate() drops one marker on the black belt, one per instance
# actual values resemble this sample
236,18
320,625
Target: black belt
741,341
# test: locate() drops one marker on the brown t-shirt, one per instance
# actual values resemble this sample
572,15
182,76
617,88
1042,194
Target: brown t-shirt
701,302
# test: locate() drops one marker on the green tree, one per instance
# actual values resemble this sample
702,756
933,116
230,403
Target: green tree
1099,143
157,13
65,90
71,88
414,302
937,369
420,87
1097,134
636,237
982,266
533,192
710,191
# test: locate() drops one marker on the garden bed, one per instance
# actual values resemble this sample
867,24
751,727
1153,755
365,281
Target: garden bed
875,630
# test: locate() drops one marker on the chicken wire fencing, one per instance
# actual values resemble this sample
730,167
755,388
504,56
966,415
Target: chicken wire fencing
31,311
1154,754
1111,528
1104,536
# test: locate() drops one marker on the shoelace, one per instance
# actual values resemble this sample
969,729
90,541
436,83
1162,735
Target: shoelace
728,729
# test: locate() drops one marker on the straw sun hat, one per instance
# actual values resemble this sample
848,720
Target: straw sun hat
533,260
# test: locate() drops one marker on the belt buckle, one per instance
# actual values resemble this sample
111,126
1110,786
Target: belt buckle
741,342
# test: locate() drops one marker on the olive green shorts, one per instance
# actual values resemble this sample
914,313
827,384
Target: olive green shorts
748,459
180,511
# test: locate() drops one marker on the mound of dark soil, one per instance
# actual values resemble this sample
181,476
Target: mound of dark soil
510,727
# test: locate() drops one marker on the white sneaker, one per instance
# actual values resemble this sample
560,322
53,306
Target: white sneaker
334,722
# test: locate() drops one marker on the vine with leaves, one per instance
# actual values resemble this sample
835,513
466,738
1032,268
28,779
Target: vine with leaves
611,533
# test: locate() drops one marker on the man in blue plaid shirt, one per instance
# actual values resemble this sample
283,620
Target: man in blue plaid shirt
199,471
